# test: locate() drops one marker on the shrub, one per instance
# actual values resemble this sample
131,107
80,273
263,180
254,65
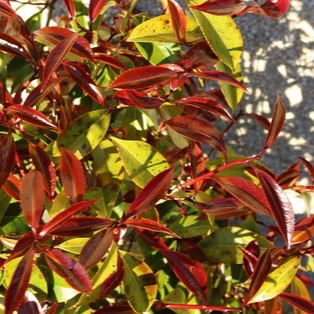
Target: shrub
119,193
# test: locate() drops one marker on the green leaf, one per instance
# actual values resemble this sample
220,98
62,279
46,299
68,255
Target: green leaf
85,133
233,95
74,245
223,36
157,53
190,226
278,280
107,163
107,268
177,296
139,283
142,162
160,29
222,246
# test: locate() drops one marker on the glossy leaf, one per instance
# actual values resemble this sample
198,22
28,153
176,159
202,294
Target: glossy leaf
189,271
110,60
57,56
71,7
250,257
30,115
63,217
69,269
152,193
137,99
151,225
85,133
206,104
53,35
142,162
217,30
276,124
248,193
32,197
218,76
221,7
7,156
10,45
160,29
304,230
43,163
280,205
139,282
178,20
222,246
73,176
298,302
278,280
261,270
19,284
308,166
23,245
37,94
84,80
197,130
78,226
95,7
96,248
143,77
271,8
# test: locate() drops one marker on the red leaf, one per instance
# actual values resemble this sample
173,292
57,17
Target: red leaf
7,156
280,205
190,272
22,246
276,124
206,104
143,77
39,93
72,174
218,76
304,230
84,80
260,119
148,225
224,208
259,275
304,305
57,56
71,7
96,248
275,8
137,99
12,187
309,167
112,61
63,217
178,20
250,256
43,163
221,7
71,270
114,280
152,192
95,6
32,197
53,35
246,192
77,226
31,116
198,130
13,47
19,284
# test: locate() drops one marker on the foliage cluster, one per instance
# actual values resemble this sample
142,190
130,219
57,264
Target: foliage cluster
119,193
